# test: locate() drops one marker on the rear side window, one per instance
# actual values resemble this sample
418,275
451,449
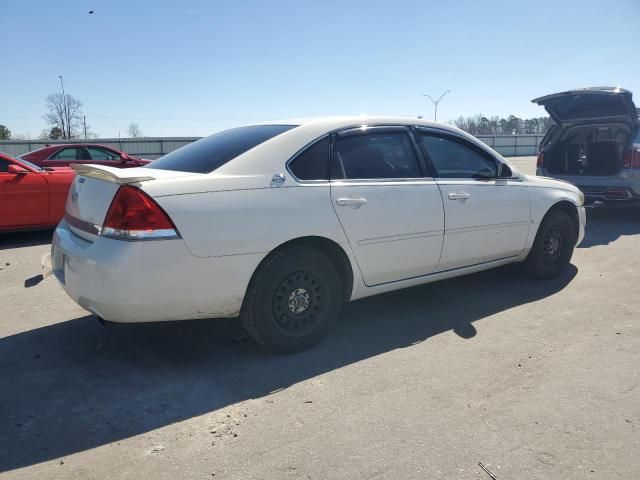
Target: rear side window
376,155
313,163
210,153
456,158
70,154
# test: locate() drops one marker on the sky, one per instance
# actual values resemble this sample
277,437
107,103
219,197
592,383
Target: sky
191,68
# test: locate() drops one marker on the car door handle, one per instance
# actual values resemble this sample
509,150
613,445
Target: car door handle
351,202
459,196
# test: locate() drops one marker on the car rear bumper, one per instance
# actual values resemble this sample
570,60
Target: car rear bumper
621,188
582,224
147,281
613,194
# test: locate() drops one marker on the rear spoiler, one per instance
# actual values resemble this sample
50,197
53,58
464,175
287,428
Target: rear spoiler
121,176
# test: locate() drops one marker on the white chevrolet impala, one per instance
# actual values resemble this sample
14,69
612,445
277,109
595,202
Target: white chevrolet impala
281,223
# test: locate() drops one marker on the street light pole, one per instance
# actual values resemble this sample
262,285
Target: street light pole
65,113
435,103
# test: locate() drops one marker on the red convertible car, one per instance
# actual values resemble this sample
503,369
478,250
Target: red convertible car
31,197
63,155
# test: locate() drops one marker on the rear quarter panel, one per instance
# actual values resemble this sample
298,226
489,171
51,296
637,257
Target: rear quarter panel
236,222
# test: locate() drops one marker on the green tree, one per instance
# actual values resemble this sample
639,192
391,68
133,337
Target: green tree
56,133
5,133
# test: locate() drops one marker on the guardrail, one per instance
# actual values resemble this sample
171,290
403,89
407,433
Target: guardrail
154,147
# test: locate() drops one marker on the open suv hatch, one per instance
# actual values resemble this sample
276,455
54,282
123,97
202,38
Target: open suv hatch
594,144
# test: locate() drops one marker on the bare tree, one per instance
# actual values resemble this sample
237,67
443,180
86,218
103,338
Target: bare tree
134,130
64,112
480,125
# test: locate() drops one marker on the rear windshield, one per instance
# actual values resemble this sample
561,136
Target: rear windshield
210,153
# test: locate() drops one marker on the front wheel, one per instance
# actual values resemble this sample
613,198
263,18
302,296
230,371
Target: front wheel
553,246
293,299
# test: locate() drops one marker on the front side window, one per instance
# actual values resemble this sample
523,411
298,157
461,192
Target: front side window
313,163
210,153
102,155
4,165
67,154
376,155
456,158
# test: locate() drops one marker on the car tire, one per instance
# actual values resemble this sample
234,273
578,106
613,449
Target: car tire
293,300
553,247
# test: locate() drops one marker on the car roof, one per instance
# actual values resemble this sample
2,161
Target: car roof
76,144
268,156
344,121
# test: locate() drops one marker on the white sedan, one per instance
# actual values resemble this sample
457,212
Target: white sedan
281,223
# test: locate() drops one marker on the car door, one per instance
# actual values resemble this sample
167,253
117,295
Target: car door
486,218
389,207
24,197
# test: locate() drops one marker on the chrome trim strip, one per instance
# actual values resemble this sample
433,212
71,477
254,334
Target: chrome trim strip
83,225
479,228
382,181
140,235
395,238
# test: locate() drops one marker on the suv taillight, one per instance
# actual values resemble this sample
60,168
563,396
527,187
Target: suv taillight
631,158
134,215
540,160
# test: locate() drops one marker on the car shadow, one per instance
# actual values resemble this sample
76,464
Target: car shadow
29,238
76,385
608,223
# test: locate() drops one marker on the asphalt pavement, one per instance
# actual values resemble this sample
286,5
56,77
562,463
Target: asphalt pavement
535,380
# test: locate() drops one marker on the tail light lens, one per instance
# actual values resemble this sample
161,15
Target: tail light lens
631,157
134,215
540,160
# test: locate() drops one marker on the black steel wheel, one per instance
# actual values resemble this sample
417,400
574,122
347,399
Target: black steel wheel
299,302
553,247
293,299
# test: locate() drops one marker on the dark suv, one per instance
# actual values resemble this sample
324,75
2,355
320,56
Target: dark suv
595,143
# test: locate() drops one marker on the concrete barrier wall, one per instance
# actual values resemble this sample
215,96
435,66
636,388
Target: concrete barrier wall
154,147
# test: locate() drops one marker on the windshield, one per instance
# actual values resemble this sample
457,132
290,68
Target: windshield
24,162
210,153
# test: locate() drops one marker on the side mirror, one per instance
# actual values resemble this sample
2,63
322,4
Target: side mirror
17,169
504,171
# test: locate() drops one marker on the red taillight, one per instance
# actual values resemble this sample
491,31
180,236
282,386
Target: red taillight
631,158
134,215
540,160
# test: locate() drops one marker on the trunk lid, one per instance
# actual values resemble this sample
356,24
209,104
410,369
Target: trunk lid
93,189
590,104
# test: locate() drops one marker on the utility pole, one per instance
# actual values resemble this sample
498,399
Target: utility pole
435,103
84,123
65,112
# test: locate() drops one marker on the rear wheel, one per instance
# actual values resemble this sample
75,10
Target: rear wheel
293,299
553,246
